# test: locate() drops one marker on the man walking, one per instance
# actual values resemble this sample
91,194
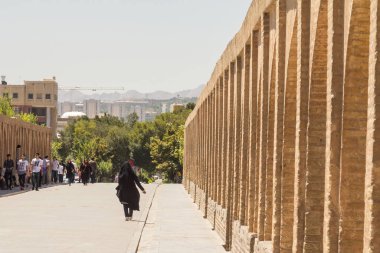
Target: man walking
44,174
22,167
60,172
70,171
37,164
94,166
54,170
8,167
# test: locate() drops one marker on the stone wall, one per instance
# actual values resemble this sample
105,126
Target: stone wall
283,140
32,139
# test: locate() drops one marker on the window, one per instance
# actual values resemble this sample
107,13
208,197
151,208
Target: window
30,95
47,96
39,111
16,109
5,95
55,97
15,95
39,95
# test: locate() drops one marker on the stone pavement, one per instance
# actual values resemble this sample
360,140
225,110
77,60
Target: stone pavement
68,219
77,218
175,224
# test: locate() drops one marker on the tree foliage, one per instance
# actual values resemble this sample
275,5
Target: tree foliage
7,110
155,146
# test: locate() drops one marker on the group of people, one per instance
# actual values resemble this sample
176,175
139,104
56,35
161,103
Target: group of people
22,172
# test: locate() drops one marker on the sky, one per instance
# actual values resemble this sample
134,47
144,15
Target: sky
143,45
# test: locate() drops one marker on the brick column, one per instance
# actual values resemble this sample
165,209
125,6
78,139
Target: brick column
372,177
289,119
351,194
243,210
225,138
335,54
263,47
230,154
315,176
237,136
219,126
252,210
278,122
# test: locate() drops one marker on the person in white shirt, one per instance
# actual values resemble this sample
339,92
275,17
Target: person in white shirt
36,171
60,173
54,170
22,167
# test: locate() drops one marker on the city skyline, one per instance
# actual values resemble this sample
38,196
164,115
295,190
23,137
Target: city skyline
139,45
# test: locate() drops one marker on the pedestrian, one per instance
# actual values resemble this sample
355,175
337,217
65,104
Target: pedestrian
36,171
8,167
94,168
127,192
22,167
54,170
70,171
85,171
60,172
44,172
2,180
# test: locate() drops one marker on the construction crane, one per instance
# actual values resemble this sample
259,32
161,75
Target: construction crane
89,88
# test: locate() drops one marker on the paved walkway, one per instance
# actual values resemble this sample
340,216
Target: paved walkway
176,225
77,218
68,219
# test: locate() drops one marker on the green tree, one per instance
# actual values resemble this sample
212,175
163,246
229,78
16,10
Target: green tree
190,106
132,119
6,107
139,138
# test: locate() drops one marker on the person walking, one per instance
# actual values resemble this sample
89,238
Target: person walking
8,167
70,171
85,170
36,171
94,167
127,192
44,172
60,172
54,170
22,167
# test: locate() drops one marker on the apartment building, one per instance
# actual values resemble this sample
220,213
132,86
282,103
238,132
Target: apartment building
37,97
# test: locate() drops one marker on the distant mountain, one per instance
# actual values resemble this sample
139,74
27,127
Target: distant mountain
78,96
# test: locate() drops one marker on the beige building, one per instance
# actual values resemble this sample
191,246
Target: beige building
91,107
37,97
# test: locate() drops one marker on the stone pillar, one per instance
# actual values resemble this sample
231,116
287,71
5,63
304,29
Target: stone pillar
219,128
271,75
237,136
243,210
351,195
263,82
372,177
230,154
289,119
225,137
315,176
335,73
303,62
252,179
278,122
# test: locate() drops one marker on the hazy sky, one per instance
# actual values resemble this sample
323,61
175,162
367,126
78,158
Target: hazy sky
145,45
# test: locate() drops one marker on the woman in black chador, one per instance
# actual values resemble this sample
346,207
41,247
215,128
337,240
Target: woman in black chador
127,192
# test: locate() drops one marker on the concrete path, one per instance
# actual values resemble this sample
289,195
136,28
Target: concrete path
77,218
68,219
176,225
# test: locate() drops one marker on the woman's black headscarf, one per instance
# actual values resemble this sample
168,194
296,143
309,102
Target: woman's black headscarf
125,170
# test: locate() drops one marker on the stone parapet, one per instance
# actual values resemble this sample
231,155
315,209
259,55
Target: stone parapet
31,138
242,240
284,137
